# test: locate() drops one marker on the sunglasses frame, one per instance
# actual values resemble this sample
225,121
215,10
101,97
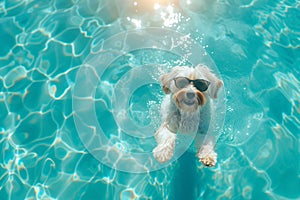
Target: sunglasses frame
202,81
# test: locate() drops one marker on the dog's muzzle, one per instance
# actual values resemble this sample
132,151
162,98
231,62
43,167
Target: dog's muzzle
201,98
189,100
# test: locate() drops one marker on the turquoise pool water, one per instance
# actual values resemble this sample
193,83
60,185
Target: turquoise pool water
77,76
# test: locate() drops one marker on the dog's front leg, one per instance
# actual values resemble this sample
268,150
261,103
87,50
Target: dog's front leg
207,154
165,144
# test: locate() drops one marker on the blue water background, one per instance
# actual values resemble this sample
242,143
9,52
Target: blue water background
256,47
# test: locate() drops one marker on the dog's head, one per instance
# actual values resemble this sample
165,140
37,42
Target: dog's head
191,86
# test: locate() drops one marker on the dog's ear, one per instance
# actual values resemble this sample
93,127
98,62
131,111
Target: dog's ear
215,83
166,82
166,79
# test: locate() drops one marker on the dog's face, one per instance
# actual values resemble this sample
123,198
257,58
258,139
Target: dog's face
190,86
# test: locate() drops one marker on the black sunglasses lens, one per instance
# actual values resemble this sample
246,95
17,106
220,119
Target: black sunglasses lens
181,82
201,85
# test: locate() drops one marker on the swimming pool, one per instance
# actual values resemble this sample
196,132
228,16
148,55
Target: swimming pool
64,61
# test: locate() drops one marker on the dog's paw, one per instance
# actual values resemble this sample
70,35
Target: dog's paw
207,155
163,152
165,144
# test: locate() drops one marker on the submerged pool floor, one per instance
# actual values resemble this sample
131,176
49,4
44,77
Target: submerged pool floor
69,64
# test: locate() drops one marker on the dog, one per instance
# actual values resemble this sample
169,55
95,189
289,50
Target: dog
187,91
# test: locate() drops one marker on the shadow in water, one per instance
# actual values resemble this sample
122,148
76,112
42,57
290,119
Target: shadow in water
185,182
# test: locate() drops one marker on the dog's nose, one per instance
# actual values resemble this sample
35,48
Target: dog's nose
190,95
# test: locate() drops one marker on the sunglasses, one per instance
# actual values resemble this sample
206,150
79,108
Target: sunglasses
200,84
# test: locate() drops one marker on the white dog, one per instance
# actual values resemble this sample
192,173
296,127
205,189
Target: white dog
188,90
